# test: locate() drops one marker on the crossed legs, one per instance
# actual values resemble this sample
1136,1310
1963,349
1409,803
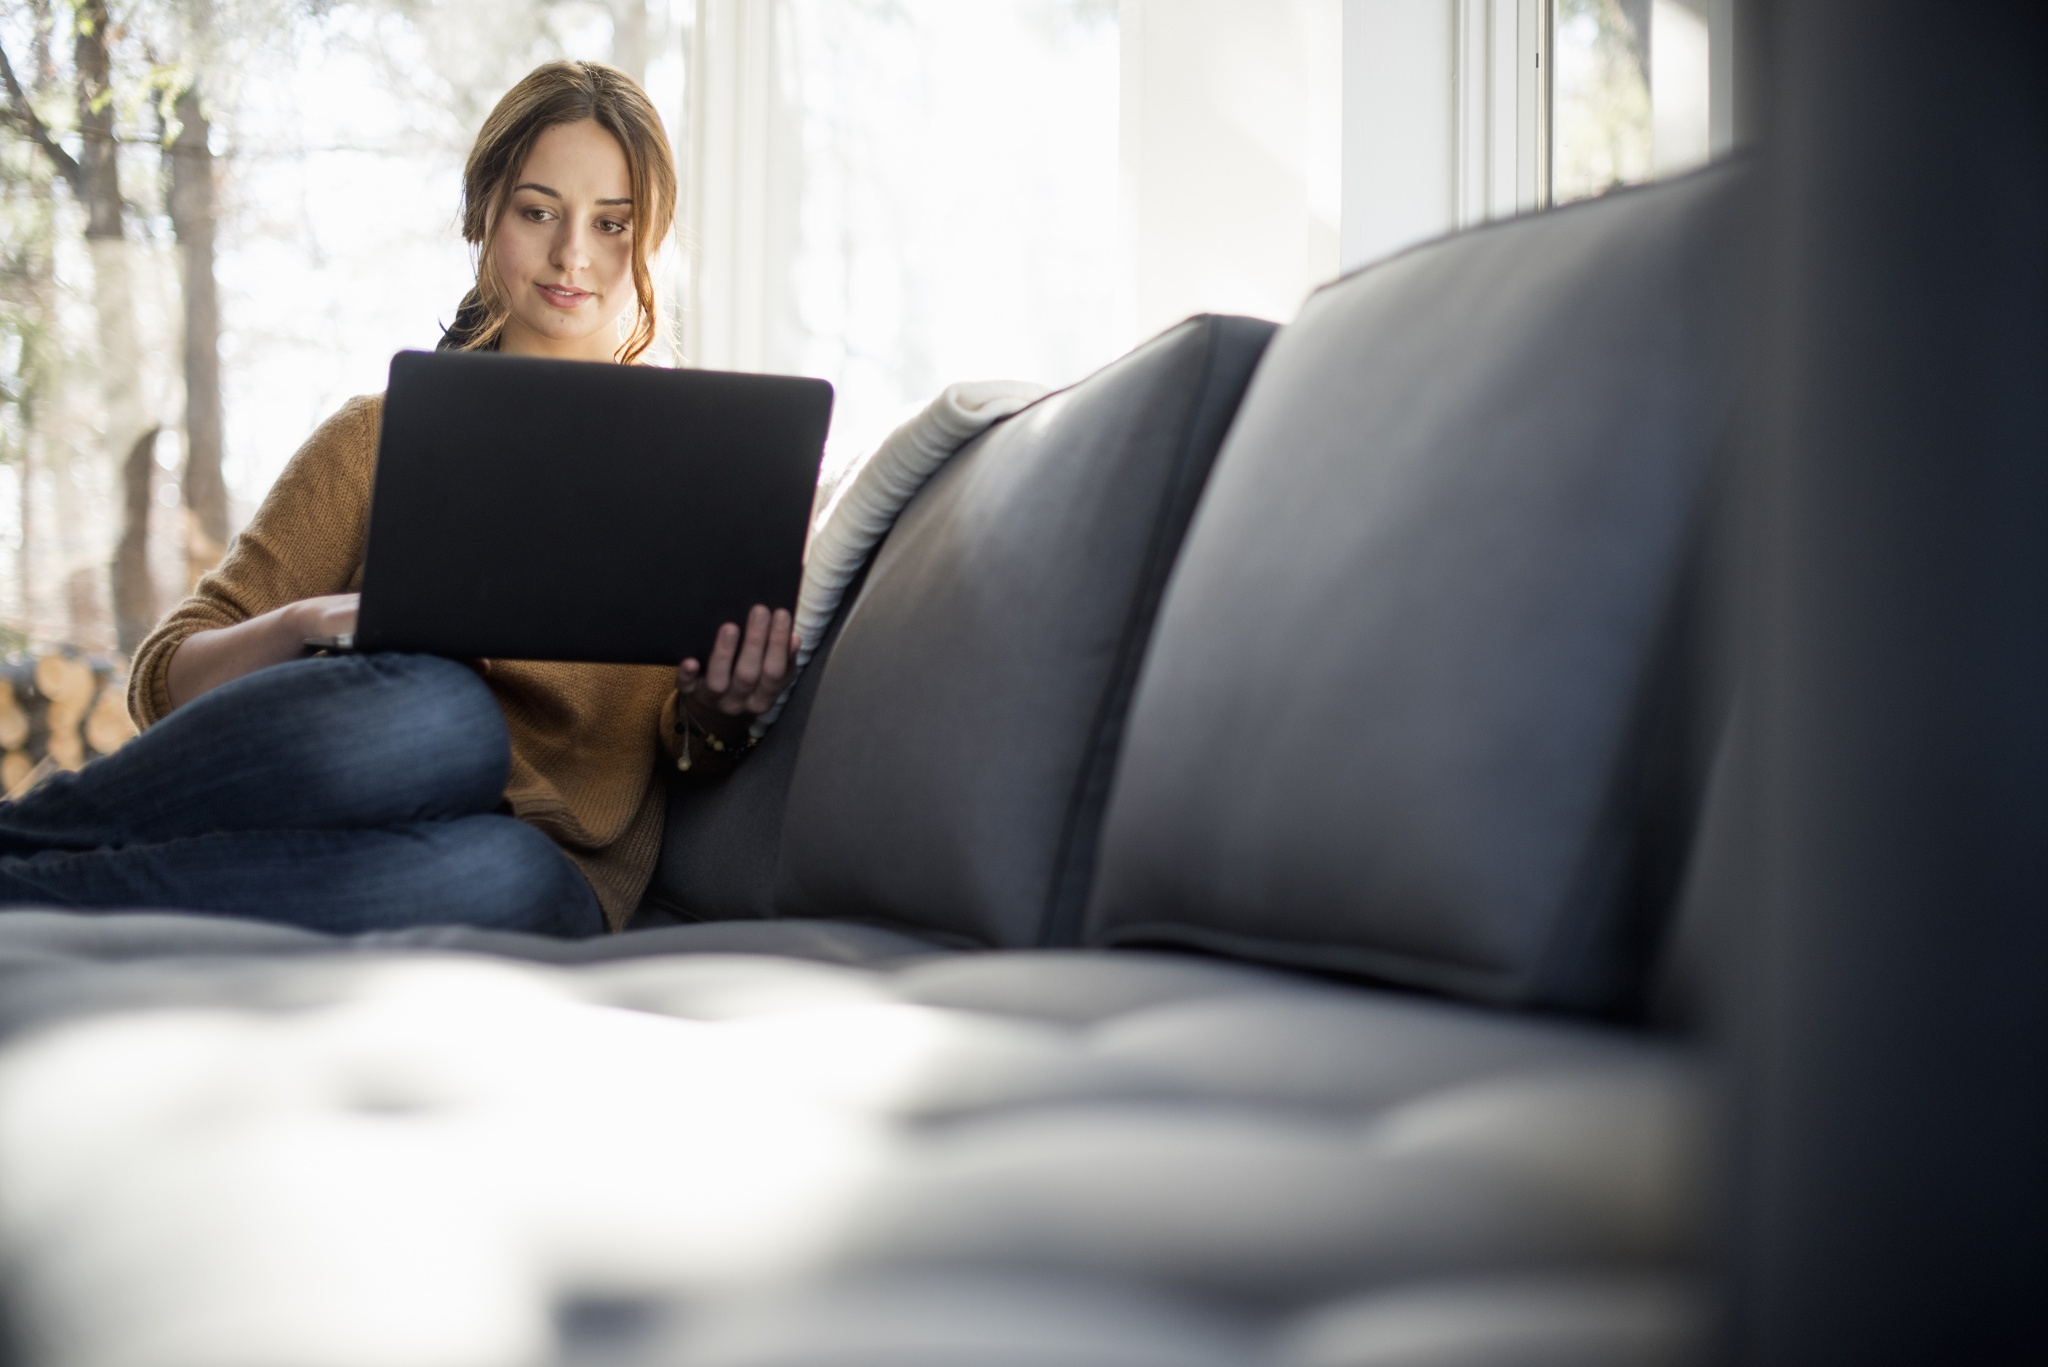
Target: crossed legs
345,794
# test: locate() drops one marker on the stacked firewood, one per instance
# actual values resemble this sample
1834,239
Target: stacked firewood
58,710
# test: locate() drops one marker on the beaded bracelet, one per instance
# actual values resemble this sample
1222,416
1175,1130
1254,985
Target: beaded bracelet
685,725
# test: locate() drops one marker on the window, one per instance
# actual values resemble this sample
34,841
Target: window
1630,92
1469,110
897,194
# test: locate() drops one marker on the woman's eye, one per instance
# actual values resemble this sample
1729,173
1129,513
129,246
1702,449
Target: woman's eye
537,215
614,226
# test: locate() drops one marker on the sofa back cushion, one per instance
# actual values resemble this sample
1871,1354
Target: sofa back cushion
1394,718
956,756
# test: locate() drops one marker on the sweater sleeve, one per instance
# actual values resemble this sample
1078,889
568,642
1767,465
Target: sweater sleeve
305,540
665,726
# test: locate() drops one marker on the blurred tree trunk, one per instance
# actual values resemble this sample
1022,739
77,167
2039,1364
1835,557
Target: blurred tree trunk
193,219
25,540
99,186
132,585
94,178
41,265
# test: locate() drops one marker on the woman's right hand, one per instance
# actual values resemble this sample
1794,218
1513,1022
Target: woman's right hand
207,659
332,614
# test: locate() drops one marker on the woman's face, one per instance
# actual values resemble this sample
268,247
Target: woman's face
564,246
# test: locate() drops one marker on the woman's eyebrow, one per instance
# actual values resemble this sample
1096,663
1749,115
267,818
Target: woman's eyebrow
557,194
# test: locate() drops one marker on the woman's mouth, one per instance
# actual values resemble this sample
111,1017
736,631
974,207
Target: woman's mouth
563,296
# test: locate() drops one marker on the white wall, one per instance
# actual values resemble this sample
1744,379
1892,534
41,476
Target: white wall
1231,120
1400,181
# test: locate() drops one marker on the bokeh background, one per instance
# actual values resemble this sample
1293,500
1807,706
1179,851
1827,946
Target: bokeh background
220,218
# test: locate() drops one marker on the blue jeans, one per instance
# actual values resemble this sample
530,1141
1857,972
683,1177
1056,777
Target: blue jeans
348,794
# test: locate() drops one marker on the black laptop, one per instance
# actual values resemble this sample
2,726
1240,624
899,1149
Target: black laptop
529,509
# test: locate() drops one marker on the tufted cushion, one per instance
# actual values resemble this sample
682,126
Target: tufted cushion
725,1159
1393,716
957,752
941,1319
31,937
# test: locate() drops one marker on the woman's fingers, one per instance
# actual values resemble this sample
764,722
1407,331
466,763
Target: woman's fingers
336,613
718,674
774,663
746,668
775,655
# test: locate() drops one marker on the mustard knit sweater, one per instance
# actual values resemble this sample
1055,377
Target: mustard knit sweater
587,740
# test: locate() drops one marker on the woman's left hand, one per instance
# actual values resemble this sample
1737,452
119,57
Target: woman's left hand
745,676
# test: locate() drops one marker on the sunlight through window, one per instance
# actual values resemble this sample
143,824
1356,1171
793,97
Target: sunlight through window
1631,93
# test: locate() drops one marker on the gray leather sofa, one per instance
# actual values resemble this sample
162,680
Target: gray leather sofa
1219,895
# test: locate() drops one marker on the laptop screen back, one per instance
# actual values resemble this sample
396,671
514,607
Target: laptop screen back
568,510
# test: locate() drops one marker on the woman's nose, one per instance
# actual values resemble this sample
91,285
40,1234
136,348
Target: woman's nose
572,248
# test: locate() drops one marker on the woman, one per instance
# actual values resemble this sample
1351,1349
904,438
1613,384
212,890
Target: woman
363,792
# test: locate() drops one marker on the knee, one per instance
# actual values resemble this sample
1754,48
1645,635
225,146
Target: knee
383,737
442,695
431,719
504,874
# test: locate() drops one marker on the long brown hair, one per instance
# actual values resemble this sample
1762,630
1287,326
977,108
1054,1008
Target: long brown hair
552,94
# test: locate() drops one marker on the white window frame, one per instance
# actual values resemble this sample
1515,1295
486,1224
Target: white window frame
1500,93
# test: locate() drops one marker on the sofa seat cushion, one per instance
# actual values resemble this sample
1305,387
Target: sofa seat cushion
836,942
30,936
500,1155
944,1319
